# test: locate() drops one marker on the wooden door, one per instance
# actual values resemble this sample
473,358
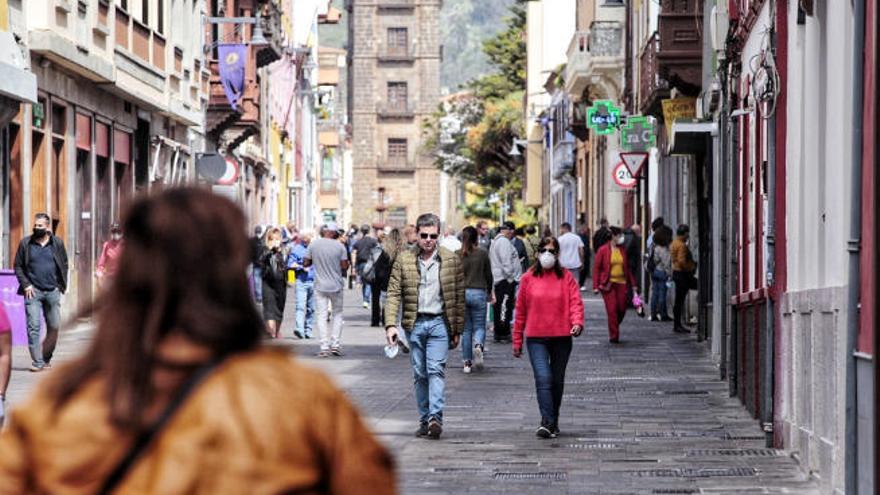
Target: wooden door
16,201
83,254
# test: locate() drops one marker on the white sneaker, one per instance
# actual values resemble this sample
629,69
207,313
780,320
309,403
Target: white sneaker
467,368
366,305
478,357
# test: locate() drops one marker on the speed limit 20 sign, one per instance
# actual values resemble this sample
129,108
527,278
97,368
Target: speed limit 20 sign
623,177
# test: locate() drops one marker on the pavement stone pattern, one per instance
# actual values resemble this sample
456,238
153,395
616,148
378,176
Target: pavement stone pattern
648,416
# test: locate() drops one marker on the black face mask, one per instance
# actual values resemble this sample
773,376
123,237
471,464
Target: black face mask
39,233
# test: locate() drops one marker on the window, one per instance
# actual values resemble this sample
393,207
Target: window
398,41
160,16
123,4
397,151
145,12
328,177
397,95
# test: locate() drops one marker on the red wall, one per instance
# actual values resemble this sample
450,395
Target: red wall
868,273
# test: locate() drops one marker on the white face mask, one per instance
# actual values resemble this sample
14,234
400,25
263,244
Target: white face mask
547,260
620,240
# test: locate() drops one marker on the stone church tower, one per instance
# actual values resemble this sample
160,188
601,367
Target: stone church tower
395,51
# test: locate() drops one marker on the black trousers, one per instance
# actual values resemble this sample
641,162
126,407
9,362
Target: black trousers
375,297
505,302
684,282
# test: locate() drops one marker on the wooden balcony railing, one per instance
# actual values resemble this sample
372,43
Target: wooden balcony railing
650,81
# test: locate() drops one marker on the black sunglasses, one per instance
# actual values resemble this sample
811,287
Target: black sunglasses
432,236
547,250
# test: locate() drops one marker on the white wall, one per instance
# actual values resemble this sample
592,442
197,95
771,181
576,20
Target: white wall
818,144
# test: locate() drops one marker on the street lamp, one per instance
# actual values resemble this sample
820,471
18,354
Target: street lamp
258,39
514,148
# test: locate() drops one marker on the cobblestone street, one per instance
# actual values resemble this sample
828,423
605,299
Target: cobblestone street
647,416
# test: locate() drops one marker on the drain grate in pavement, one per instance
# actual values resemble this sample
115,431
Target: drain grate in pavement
735,452
682,434
675,490
537,476
589,446
696,473
746,437
455,470
686,392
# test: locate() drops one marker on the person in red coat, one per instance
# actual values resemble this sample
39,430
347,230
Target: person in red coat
614,279
549,311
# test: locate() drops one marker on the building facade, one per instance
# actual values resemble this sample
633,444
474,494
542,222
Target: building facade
395,79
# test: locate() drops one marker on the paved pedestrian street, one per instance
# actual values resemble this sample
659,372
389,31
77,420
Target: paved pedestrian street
647,416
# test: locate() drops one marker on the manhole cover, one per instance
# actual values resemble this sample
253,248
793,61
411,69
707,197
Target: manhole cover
735,452
696,473
539,476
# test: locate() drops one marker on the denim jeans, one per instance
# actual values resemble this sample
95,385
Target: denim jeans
258,285
305,306
474,322
429,348
323,300
48,305
365,287
549,357
658,293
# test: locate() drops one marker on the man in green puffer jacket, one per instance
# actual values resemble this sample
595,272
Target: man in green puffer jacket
429,282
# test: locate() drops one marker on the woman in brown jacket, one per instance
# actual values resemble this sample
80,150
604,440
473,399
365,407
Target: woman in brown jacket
175,394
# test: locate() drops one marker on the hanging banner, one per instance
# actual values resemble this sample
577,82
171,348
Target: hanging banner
232,59
678,108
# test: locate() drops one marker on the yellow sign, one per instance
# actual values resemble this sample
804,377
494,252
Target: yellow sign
4,15
678,108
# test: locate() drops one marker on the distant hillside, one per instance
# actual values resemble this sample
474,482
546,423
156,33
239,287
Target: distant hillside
464,25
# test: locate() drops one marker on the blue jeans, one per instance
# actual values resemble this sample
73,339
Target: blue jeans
474,322
365,287
429,347
549,357
658,293
48,305
258,283
305,306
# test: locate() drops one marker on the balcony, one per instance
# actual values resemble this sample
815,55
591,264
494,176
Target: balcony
672,57
395,110
595,57
563,159
397,54
396,164
395,4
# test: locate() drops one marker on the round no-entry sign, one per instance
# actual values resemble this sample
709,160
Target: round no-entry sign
623,177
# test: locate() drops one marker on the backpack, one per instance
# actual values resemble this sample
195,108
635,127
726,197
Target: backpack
650,262
369,270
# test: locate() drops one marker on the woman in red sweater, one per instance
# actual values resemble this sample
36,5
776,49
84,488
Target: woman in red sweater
549,311
613,278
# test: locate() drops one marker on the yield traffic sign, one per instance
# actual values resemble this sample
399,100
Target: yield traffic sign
634,162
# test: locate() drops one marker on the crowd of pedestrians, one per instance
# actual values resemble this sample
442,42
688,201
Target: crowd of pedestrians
430,288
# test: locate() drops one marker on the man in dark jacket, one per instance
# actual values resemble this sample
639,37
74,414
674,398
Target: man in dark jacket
41,269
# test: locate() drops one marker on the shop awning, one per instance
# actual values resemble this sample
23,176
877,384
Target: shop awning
689,136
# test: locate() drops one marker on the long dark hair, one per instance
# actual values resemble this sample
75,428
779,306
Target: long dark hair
182,272
539,270
469,240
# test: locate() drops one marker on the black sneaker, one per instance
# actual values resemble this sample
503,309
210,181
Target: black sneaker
544,432
435,429
555,431
298,334
423,430
336,351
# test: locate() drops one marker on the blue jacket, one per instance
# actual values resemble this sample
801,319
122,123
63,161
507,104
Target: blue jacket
295,258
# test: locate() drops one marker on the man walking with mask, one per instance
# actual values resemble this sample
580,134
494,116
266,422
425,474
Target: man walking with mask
429,283
41,269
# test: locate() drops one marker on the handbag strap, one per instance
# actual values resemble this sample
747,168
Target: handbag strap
145,438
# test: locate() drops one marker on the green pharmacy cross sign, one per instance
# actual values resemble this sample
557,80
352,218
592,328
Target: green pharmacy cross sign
603,117
638,134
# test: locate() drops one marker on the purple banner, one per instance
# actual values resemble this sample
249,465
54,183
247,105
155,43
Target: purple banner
232,60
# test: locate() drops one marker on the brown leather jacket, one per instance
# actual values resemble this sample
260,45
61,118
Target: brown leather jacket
259,424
